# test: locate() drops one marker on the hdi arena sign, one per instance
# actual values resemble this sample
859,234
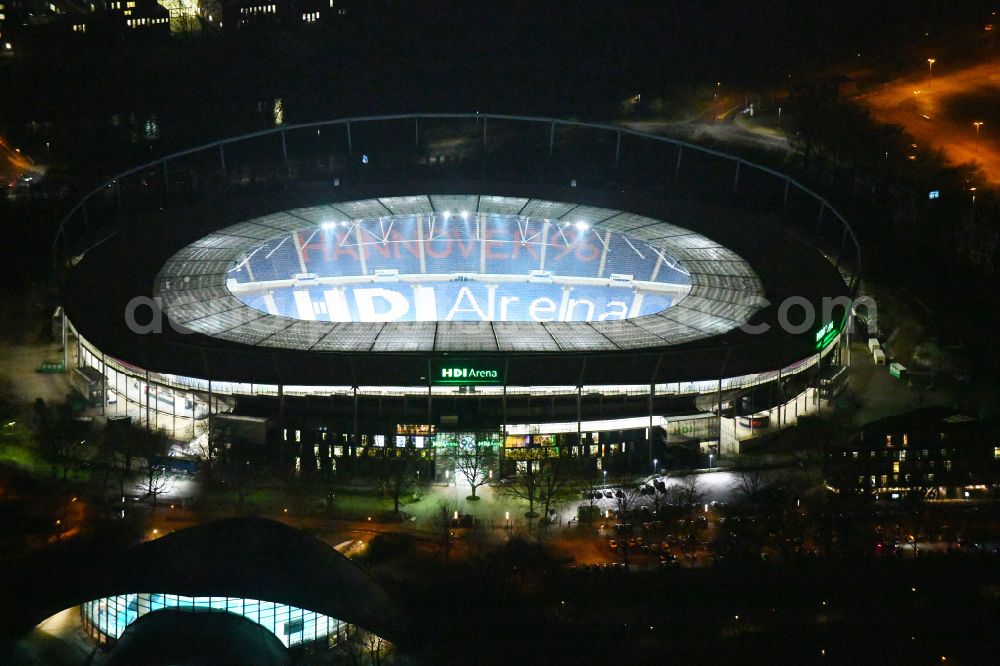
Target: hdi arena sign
466,372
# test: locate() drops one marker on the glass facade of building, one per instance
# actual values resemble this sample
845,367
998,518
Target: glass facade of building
107,618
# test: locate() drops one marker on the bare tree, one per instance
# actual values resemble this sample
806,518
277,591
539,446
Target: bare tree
10,401
152,445
367,649
242,474
116,450
474,462
60,438
397,471
328,483
476,538
156,482
556,485
627,494
687,493
749,483
441,525
526,486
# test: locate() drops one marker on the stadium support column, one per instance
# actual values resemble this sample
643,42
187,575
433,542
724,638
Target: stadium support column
430,405
649,436
781,397
104,384
354,437
819,374
65,340
579,415
284,155
281,403
211,441
350,149
719,452
147,399
847,334
503,425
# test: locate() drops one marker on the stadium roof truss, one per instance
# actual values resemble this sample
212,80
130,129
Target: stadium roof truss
724,293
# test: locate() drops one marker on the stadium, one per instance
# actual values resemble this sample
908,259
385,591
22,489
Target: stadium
414,281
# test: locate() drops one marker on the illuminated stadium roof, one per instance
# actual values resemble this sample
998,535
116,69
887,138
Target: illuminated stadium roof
457,273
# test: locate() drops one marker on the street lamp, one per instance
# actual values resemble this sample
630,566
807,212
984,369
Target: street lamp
710,456
654,464
930,67
978,124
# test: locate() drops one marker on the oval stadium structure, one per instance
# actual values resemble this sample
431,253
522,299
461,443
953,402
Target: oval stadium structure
413,280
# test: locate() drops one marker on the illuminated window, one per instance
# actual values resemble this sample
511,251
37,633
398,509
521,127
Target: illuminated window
996,451
895,467
298,435
888,440
884,479
906,439
902,455
947,465
292,626
930,477
338,451
284,434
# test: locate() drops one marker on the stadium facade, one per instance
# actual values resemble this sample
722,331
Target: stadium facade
416,281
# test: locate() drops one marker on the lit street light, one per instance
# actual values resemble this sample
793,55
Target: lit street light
978,124
654,464
930,67
710,456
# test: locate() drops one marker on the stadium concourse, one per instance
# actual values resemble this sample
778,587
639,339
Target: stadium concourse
621,325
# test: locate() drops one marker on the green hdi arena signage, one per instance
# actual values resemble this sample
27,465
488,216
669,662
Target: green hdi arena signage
829,332
467,372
